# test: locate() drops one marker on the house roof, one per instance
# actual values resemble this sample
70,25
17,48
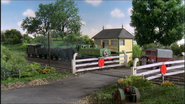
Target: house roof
113,33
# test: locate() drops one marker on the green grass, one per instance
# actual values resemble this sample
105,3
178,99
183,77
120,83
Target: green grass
149,95
57,43
60,45
40,76
14,46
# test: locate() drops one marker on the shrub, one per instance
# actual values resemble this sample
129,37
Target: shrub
182,48
136,51
29,73
12,36
47,69
167,83
42,40
26,39
57,39
120,82
130,63
137,81
175,48
24,46
12,60
34,66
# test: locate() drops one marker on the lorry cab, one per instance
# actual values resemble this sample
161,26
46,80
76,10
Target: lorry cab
153,55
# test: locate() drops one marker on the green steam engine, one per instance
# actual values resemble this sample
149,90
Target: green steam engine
91,51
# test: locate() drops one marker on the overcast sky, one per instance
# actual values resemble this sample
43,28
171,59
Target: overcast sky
94,14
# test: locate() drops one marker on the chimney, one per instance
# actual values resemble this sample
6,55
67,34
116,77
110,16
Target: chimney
122,26
103,27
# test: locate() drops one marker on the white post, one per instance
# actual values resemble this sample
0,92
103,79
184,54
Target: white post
132,71
162,78
73,61
125,58
135,66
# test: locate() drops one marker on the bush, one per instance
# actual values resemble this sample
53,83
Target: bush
137,81
24,46
175,48
57,39
26,39
12,60
167,83
136,51
182,48
34,66
12,36
130,63
42,40
73,38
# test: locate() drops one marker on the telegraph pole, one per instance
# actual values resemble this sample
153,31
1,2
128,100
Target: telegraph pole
49,49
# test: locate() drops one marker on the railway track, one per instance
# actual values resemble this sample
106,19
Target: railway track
64,66
176,79
60,66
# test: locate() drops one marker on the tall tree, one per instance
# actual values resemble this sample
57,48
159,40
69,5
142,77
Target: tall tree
60,18
66,18
158,21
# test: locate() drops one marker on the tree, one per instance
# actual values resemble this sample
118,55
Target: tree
158,21
12,36
175,48
182,48
60,18
2,36
26,38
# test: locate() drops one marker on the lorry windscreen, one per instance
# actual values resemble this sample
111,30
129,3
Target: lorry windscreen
148,52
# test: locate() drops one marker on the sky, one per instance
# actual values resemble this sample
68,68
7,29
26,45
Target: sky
95,14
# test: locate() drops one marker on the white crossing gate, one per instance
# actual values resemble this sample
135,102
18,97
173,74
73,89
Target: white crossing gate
92,63
152,74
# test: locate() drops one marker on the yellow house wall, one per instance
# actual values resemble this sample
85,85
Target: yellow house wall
113,48
127,47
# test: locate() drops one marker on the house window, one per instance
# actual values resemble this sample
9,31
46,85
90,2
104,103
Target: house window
98,41
106,42
114,42
122,42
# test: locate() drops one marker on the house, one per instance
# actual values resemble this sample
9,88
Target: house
117,40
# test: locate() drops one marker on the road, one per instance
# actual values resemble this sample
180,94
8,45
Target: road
67,91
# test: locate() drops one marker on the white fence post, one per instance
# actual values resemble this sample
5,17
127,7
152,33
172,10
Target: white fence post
125,58
162,78
134,66
132,71
73,63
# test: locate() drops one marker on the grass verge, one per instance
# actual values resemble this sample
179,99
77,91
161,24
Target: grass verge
149,95
40,76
